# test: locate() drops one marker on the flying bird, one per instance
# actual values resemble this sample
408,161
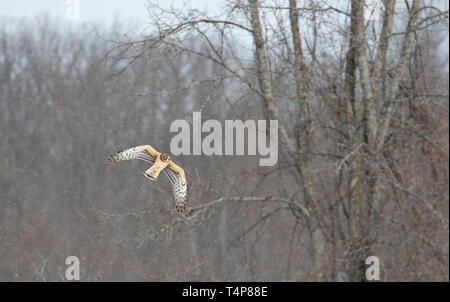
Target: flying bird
160,162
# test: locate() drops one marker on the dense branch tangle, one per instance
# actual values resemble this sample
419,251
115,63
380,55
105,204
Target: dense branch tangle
358,84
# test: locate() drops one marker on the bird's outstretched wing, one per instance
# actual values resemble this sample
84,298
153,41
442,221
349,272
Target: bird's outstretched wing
139,152
179,185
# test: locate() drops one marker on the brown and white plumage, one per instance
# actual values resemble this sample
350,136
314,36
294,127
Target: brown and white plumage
160,162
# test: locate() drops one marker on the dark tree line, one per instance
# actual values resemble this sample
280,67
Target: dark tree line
363,163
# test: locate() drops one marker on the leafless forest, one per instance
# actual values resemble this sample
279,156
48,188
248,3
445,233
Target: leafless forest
362,102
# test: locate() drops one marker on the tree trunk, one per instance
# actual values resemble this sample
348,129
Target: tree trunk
302,160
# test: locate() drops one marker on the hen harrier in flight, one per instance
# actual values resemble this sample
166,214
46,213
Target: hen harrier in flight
160,162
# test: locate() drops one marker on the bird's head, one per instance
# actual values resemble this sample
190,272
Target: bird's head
165,157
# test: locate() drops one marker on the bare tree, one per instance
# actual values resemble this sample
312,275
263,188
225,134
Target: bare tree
363,125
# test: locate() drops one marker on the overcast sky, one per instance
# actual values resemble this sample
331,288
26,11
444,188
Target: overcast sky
106,11
90,10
